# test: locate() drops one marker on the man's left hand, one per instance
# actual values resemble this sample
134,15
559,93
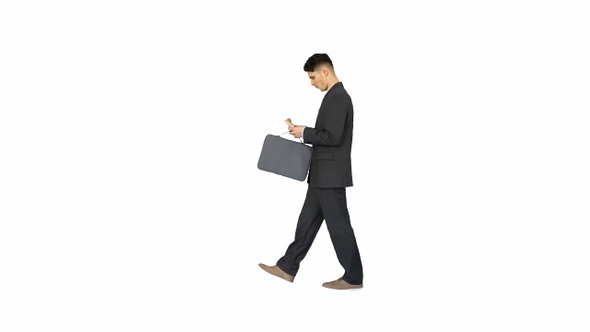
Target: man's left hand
296,131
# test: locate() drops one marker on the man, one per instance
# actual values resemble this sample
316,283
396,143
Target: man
329,175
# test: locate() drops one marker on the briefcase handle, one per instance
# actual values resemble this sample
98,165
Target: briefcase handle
300,139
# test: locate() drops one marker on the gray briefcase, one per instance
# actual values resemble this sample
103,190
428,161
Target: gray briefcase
285,157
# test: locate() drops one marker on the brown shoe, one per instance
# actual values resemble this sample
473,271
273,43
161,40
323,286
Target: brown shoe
276,271
340,284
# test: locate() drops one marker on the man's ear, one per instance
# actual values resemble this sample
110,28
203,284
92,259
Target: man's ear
325,71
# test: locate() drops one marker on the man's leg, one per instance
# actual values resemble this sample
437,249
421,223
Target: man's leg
310,220
334,206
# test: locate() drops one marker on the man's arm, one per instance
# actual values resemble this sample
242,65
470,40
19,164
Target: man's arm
332,119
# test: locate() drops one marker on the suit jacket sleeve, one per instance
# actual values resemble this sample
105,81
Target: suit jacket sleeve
332,119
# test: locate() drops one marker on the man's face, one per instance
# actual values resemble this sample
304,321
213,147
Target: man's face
318,78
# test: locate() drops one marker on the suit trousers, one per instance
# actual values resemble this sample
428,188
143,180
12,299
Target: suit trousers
327,204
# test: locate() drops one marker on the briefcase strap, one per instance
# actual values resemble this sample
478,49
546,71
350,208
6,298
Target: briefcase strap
300,139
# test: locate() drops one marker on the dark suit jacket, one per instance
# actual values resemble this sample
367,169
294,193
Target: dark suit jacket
331,139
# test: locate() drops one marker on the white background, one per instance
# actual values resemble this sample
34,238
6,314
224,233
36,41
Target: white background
130,199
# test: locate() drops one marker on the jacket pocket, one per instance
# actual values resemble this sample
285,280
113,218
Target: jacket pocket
323,156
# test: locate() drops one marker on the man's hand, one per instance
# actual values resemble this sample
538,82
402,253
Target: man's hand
296,131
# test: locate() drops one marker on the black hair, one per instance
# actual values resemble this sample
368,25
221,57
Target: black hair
315,60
